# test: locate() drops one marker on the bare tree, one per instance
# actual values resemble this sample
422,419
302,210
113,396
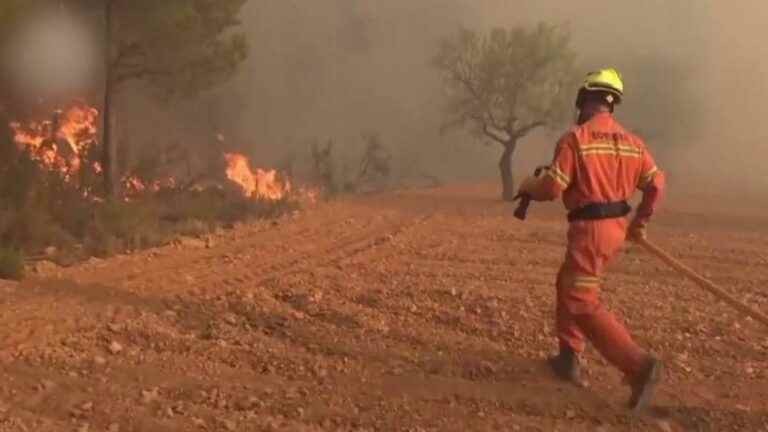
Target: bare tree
504,84
323,165
376,162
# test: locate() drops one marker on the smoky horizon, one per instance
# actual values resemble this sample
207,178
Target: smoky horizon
346,69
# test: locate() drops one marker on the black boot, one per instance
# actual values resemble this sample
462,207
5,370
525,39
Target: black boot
566,366
645,384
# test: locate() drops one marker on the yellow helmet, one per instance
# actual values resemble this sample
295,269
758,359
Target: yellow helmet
606,80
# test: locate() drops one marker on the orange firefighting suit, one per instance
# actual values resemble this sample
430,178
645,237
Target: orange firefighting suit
598,162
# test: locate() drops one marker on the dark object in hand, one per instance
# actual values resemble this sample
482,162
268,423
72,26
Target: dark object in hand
521,212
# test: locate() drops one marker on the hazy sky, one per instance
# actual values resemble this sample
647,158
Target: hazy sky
696,75
339,67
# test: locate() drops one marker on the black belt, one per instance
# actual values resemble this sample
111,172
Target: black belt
596,211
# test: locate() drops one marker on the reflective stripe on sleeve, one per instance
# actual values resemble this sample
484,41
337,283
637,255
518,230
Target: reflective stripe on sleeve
560,177
647,177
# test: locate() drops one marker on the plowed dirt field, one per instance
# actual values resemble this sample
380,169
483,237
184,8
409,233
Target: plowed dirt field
422,310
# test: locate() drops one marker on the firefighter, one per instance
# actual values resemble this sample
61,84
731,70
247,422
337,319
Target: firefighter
597,166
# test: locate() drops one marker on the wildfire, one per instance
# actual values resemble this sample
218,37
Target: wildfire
77,126
133,185
65,144
262,184
60,143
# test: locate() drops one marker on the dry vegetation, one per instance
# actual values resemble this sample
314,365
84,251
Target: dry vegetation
55,217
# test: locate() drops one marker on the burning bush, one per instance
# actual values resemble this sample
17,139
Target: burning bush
63,145
261,184
49,187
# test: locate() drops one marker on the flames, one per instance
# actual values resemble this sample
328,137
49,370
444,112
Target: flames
261,184
60,143
133,185
77,126
64,144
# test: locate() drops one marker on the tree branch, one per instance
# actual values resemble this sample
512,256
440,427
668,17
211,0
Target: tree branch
493,135
467,83
525,130
485,104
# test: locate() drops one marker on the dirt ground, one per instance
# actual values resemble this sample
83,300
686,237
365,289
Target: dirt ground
422,310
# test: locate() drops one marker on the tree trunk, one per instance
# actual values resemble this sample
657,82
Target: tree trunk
8,150
505,168
108,155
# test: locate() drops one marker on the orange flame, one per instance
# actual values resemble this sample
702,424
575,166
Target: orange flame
62,143
77,126
133,185
59,145
31,136
261,184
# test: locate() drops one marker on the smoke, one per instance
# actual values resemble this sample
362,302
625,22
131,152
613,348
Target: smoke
333,69
51,55
341,68
665,51
694,70
731,148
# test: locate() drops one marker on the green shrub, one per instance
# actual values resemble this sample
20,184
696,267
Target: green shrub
117,226
11,264
211,207
204,206
39,209
102,244
125,219
192,228
74,215
33,228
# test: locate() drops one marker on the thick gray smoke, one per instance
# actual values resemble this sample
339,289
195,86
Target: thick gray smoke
695,73
336,68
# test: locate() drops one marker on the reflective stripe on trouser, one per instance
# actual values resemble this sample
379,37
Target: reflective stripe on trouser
580,314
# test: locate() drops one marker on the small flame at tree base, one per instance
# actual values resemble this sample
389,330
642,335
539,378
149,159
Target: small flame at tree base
133,185
260,184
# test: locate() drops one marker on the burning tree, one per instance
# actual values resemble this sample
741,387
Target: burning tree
62,142
506,83
175,47
179,47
